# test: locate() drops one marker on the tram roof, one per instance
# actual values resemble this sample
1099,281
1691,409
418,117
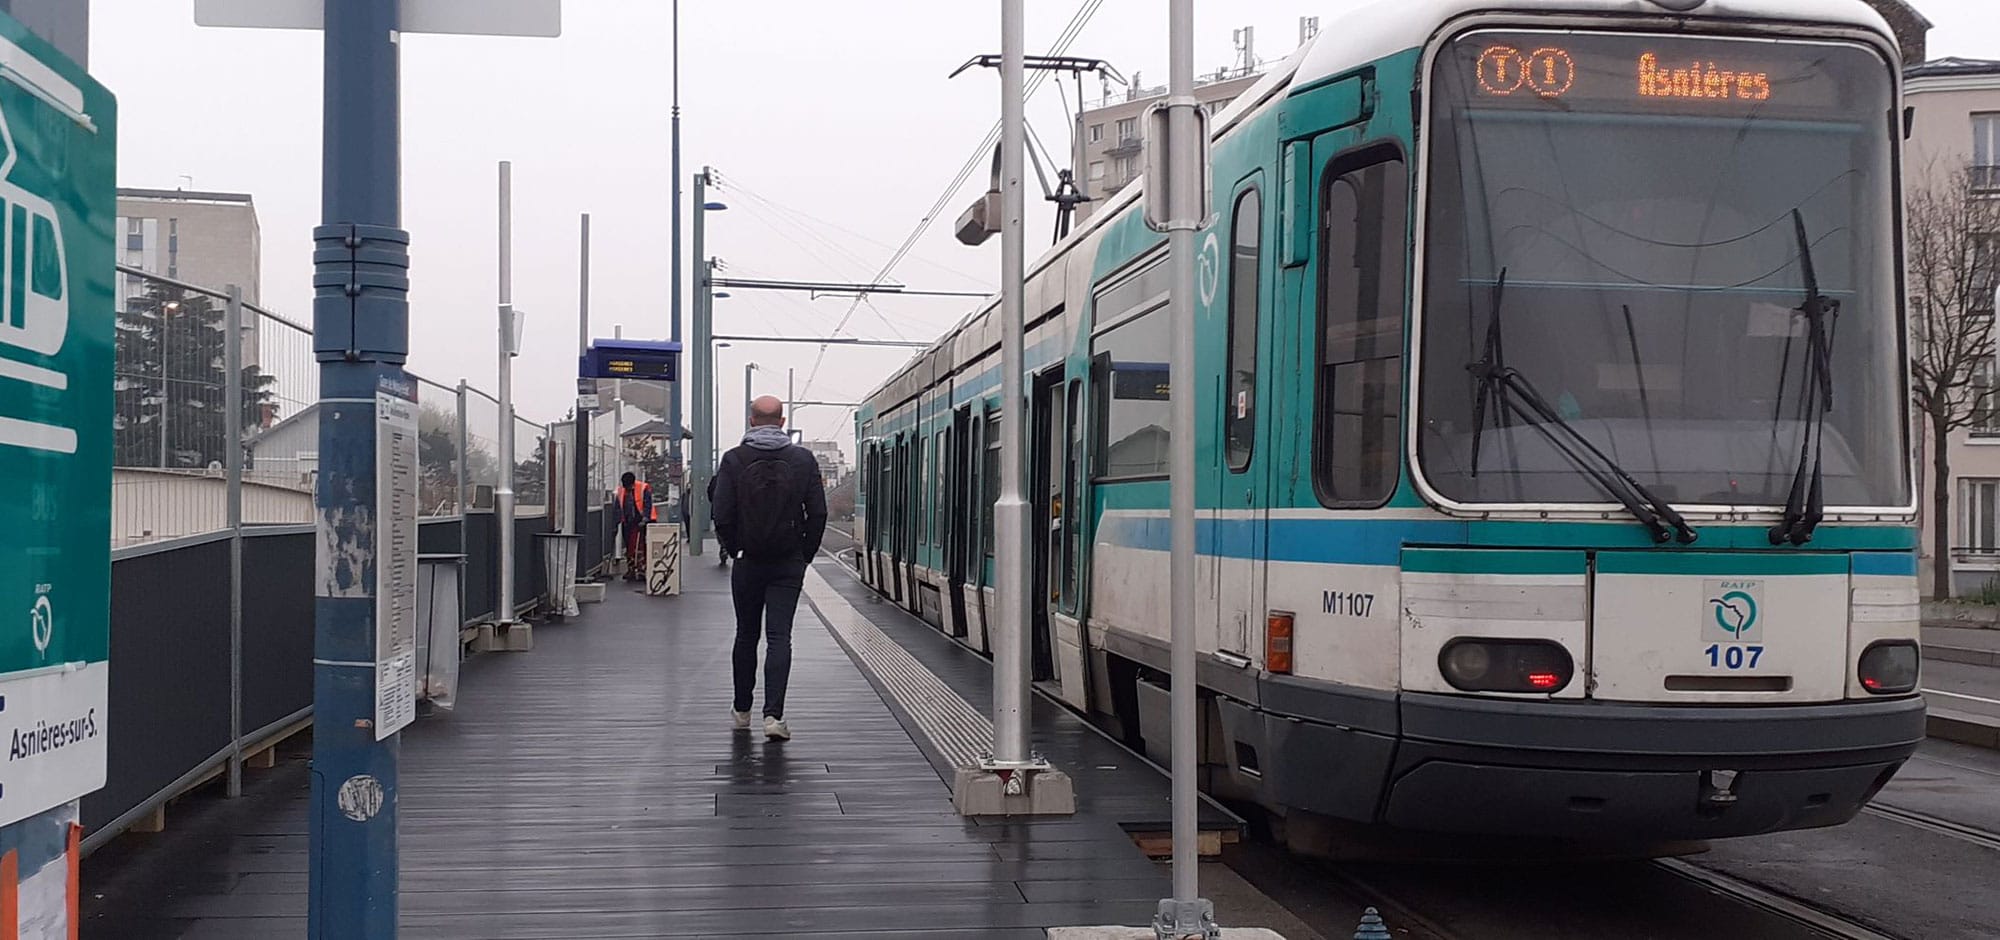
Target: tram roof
1386,27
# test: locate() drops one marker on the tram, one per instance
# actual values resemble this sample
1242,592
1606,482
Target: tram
1554,473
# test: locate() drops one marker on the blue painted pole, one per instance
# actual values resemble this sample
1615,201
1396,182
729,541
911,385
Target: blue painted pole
360,336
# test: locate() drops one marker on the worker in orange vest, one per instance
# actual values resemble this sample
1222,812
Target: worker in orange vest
635,511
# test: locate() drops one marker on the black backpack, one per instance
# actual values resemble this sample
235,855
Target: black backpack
768,509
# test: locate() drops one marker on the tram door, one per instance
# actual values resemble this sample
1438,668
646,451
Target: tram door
1240,517
1044,483
958,541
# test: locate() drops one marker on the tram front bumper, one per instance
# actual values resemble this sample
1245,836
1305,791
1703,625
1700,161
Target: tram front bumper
1626,772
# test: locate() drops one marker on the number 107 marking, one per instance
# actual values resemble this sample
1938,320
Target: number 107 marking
1734,657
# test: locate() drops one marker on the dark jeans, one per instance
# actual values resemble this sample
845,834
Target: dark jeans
767,594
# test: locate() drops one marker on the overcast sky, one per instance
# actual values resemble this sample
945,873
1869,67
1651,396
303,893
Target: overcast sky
833,126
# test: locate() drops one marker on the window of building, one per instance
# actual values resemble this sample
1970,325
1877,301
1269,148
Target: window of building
1361,288
1128,128
1985,420
1986,151
1096,171
1128,168
1096,133
1240,423
1979,509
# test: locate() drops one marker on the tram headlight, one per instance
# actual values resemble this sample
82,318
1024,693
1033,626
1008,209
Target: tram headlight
1889,667
1478,664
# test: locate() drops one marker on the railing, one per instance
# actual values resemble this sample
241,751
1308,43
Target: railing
172,421
1985,179
214,664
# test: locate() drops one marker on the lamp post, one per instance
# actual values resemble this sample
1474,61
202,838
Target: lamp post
702,374
674,327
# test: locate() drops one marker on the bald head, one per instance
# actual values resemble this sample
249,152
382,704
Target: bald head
767,411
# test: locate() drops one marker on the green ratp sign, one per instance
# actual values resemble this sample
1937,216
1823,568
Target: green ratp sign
58,204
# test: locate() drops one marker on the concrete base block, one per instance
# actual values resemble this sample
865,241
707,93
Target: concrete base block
978,792
504,638
1146,933
590,592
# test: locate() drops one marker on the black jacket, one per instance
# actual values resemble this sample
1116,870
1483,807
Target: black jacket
812,509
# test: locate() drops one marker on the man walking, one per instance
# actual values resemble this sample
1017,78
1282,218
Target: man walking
770,514
635,512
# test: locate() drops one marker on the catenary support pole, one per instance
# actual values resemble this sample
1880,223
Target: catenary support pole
503,491
701,377
232,397
1012,779
580,463
1010,511
1186,914
361,339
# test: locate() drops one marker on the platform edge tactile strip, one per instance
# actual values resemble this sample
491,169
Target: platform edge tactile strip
954,726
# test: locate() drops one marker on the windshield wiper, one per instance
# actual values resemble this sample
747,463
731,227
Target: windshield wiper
1496,380
1805,507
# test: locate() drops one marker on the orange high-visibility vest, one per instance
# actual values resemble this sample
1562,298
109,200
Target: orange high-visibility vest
639,494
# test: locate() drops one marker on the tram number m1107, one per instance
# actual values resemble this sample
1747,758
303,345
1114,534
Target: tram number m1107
1347,603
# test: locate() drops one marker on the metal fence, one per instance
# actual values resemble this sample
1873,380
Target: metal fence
226,668
176,413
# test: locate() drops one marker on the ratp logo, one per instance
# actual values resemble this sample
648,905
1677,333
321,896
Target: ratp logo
1734,608
34,300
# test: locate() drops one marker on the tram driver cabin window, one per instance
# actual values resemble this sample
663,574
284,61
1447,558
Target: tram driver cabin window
1361,289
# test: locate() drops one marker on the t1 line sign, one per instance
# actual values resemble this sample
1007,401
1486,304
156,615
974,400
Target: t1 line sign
58,201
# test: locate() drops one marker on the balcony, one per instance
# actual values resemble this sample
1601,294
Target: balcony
1126,146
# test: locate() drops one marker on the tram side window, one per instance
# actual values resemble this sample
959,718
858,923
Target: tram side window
989,476
1133,404
1361,290
1240,423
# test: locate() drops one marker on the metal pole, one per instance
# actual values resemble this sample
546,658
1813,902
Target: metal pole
580,472
791,389
748,368
618,442
674,400
503,493
701,378
1010,511
464,481
360,338
1186,915
232,397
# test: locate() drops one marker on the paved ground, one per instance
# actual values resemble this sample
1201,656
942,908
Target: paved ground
594,788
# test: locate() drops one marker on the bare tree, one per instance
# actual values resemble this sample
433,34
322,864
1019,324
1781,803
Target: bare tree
1952,229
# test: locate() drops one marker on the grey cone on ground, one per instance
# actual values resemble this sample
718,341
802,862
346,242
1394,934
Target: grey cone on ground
1372,927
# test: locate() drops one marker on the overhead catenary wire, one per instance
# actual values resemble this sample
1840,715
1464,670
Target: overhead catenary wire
979,156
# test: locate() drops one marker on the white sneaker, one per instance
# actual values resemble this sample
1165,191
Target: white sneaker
742,720
776,729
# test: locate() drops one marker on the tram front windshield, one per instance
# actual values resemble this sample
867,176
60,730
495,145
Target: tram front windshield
1628,224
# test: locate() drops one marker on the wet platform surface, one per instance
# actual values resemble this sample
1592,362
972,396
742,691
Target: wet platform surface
594,787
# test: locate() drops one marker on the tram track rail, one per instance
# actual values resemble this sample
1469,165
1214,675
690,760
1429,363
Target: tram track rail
1816,919
1928,822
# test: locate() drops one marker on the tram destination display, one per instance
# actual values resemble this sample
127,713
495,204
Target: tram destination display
1622,72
